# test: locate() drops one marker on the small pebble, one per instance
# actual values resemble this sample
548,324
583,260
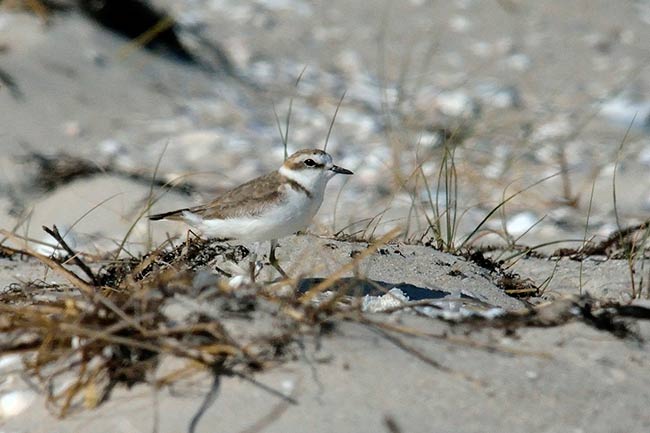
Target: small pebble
519,62
72,129
111,147
456,103
237,281
532,375
10,362
497,96
288,385
623,111
521,222
15,402
558,128
460,24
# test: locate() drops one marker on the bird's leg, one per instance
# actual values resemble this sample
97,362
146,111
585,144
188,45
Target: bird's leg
252,261
251,270
188,236
254,265
274,260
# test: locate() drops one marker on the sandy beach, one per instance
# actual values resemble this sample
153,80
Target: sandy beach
485,269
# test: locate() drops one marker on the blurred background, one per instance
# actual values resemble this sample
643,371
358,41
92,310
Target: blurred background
447,110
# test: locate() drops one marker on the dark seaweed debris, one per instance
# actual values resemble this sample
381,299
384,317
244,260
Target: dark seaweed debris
510,282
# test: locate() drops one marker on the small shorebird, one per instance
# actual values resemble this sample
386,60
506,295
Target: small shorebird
268,207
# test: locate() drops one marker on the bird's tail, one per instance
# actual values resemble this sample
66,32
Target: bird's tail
173,215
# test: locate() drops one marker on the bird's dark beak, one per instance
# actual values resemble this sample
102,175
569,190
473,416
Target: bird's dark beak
340,170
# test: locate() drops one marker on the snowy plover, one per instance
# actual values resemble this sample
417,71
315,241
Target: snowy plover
268,207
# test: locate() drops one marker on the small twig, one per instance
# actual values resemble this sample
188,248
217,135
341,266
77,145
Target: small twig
209,399
287,398
54,232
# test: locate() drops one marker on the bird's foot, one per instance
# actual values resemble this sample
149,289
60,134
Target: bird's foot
278,268
274,261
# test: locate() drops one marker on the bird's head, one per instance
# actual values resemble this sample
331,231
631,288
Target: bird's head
311,168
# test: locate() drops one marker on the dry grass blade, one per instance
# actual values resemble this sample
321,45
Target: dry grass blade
279,125
336,112
618,157
285,135
146,37
584,238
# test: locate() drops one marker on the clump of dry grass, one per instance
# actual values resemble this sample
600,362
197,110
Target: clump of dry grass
111,325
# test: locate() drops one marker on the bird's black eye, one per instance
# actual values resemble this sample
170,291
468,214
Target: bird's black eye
310,162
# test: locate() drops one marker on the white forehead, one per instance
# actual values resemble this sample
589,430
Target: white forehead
320,158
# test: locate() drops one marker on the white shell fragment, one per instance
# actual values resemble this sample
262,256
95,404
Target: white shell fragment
15,402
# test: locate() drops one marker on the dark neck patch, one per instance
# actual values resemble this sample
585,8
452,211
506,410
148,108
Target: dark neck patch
297,186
